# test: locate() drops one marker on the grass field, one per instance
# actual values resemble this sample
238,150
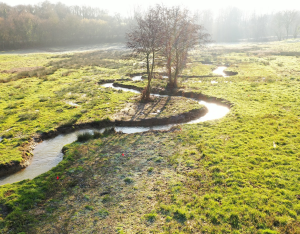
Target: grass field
239,174
42,92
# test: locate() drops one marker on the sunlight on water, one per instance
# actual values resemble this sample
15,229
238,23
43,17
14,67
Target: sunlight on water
137,78
46,156
110,85
215,111
220,71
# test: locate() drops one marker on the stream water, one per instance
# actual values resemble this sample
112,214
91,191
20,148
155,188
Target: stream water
47,154
220,71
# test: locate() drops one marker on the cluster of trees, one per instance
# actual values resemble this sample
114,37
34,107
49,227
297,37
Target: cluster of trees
52,24
167,33
232,24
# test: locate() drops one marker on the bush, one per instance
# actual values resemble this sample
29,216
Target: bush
234,220
85,137
128,180
97,135
181,215
103,213
89,207
150,169
150,217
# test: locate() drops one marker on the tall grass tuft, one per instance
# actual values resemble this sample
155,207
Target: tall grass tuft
85,137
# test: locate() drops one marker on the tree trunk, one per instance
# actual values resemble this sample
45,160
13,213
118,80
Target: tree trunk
150,75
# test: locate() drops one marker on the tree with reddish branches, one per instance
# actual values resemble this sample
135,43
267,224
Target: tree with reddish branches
146,39
181,34
169,32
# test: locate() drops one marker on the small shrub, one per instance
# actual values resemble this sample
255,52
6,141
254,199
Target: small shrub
43,99
106,198
97,135
151,217
150,169
108,131
103,213
128,180
85,137
181,215
89,207
234,220
158,160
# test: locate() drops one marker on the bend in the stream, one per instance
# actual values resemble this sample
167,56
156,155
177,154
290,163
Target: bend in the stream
48,153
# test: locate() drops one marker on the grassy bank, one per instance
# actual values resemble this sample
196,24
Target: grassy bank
239,174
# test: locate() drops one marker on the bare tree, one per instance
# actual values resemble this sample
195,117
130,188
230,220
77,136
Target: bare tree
170,31
145,38
181,34
288,17
278,25
296,25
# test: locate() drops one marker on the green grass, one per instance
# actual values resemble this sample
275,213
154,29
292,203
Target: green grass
239,174
39,104
45,105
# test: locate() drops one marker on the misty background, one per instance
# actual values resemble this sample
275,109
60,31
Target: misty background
49,24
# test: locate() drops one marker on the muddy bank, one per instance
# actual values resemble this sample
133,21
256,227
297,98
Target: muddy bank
193,114
199,96
200,76
175,119
100,82
230,73
14,166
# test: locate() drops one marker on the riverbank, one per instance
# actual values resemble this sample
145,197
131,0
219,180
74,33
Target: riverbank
65,97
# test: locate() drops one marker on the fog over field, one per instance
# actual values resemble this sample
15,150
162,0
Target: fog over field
52,23
127,7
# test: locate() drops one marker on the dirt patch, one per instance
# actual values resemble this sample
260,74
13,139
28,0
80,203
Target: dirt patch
21,69
159,107
230,73
182,93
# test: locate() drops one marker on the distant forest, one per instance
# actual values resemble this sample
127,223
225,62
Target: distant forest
57,24
47,24
232,25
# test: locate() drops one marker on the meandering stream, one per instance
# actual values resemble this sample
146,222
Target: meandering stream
47,154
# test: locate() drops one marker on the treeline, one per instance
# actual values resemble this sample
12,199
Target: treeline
47,24
57,24
232,24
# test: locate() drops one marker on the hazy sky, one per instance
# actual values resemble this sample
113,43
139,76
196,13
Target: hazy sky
126,6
